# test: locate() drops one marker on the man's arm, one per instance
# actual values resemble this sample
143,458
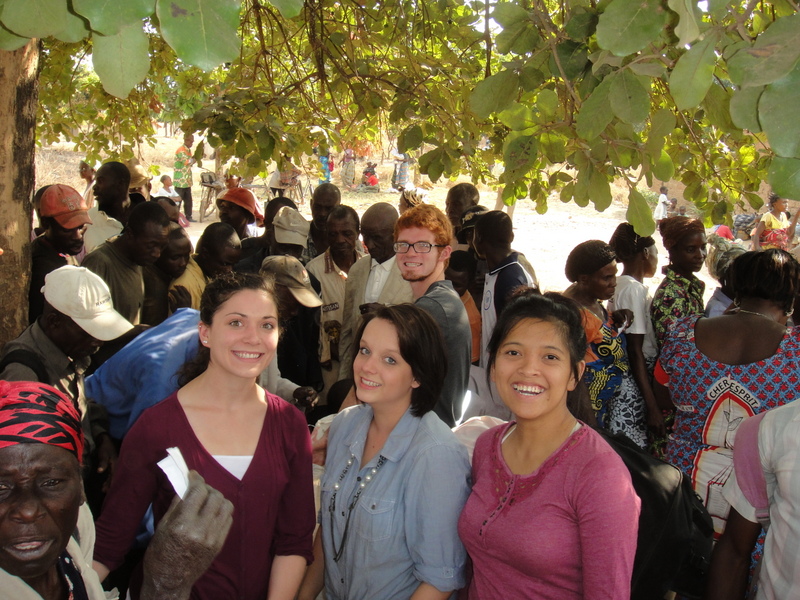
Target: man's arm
730,562
186,541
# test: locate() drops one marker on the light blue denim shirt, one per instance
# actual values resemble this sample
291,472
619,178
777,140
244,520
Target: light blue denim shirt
403,530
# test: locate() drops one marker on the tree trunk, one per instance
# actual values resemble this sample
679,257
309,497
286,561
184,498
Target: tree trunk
19,92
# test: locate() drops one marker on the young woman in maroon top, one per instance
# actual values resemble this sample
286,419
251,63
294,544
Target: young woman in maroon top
250,445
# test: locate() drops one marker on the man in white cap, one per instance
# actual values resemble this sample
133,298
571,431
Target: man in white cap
78,317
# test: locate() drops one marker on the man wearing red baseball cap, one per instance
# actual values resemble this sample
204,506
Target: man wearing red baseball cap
238,207
64,217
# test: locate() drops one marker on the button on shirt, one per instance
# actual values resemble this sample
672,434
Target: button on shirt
403,530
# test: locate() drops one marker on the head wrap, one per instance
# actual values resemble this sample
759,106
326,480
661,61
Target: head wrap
721,253
587,258
33,413
674,229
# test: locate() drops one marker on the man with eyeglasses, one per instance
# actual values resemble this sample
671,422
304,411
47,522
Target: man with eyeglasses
422,245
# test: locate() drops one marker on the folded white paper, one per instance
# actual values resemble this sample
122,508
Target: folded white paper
175,469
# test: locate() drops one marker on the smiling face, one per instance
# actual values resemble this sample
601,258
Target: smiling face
40,494
602,283
382,376
243,337
418,266
533,371
688,255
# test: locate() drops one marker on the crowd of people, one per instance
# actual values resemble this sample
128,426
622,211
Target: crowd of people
391,334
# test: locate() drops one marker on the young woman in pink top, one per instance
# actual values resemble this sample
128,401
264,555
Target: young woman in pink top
552,514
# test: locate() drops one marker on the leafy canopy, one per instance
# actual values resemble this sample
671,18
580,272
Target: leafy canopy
567,95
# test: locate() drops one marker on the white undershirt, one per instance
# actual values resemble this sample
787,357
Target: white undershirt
378,276
235,465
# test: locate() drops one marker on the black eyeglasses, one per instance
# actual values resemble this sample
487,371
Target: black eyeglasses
419,247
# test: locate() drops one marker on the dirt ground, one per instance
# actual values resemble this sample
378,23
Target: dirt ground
546,240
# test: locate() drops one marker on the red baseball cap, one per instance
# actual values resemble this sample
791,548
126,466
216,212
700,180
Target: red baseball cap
65,205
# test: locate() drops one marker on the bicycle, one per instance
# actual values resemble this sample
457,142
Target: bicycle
208,199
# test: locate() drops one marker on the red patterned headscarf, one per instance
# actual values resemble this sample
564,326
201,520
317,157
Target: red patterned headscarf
33,413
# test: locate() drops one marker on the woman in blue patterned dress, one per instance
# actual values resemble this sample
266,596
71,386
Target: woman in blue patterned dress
721,370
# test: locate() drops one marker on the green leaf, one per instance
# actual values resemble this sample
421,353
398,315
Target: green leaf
10,41
627,26
687,29
595,113
74,30
554,147
519,38
774,54
754,200
289,9
34,18
779,114
203,33
744,108
581,25
494,93
784,177
121,61
519,155
265,144
639,215
566,193
629,100
574,59
107,17
547,102
648,69
717,104
661,125
663,168
530,78
518,117
509,13
599,191
691,77
410,139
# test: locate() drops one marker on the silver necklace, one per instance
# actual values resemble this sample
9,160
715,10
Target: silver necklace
752,312
338,552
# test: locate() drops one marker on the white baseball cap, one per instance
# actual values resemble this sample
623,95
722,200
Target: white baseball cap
85,298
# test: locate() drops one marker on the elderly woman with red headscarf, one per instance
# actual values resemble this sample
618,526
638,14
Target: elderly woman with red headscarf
46,529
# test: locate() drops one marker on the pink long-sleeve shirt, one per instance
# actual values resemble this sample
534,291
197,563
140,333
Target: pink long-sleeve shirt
566,531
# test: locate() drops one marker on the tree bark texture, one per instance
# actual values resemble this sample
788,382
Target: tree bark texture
19,91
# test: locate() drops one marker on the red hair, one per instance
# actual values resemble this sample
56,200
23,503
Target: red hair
426,216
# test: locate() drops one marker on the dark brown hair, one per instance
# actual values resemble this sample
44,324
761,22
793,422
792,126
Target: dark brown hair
421,346
217,292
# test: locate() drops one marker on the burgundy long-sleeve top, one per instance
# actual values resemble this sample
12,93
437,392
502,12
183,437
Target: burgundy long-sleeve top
273,503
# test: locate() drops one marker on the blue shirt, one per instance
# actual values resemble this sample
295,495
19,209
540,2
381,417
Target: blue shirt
144,372
403,530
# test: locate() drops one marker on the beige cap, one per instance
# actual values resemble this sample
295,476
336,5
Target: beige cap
289,227
85,298
290,272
